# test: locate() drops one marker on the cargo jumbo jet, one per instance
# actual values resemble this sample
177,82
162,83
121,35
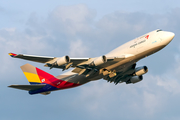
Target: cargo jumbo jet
116,66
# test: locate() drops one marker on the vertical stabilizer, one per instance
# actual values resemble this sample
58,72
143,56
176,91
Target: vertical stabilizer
34,75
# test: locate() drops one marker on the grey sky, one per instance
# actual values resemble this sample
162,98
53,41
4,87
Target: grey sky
89,29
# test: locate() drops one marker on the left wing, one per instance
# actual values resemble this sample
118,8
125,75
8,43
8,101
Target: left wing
131,74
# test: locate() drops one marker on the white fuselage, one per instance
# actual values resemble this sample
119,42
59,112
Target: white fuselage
149,41
132,51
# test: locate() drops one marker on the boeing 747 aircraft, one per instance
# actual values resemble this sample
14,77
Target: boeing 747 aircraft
117,66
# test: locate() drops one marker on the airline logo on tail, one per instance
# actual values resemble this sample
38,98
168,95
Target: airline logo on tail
35,75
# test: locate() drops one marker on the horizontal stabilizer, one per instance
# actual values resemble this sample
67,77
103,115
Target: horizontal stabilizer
28,87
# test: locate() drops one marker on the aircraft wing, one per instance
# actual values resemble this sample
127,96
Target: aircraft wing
122,76
41,59
48,60
28,87
81,65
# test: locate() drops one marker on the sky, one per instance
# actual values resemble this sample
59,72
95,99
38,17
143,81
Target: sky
84,28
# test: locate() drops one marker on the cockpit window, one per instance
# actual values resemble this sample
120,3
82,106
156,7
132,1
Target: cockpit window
158,30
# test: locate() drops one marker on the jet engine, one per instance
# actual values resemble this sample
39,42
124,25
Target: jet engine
61,61
141,70
135,79
98,61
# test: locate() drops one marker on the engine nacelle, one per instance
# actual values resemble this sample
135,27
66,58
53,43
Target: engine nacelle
63,60
135,79
141,70
98,61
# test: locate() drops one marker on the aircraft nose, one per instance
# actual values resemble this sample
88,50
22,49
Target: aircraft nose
170,35
167,37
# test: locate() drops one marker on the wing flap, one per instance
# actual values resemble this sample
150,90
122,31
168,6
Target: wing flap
28,87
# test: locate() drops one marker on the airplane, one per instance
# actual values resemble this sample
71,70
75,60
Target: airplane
117,66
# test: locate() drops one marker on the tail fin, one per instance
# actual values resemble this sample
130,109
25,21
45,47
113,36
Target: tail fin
34,75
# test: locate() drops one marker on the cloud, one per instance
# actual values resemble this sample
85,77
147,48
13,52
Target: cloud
148,99
73,30
77,48
71,20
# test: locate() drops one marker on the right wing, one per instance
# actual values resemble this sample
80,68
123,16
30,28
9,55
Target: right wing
49,61
41,59
81,65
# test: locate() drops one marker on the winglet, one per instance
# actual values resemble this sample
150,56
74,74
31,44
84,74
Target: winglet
12,54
